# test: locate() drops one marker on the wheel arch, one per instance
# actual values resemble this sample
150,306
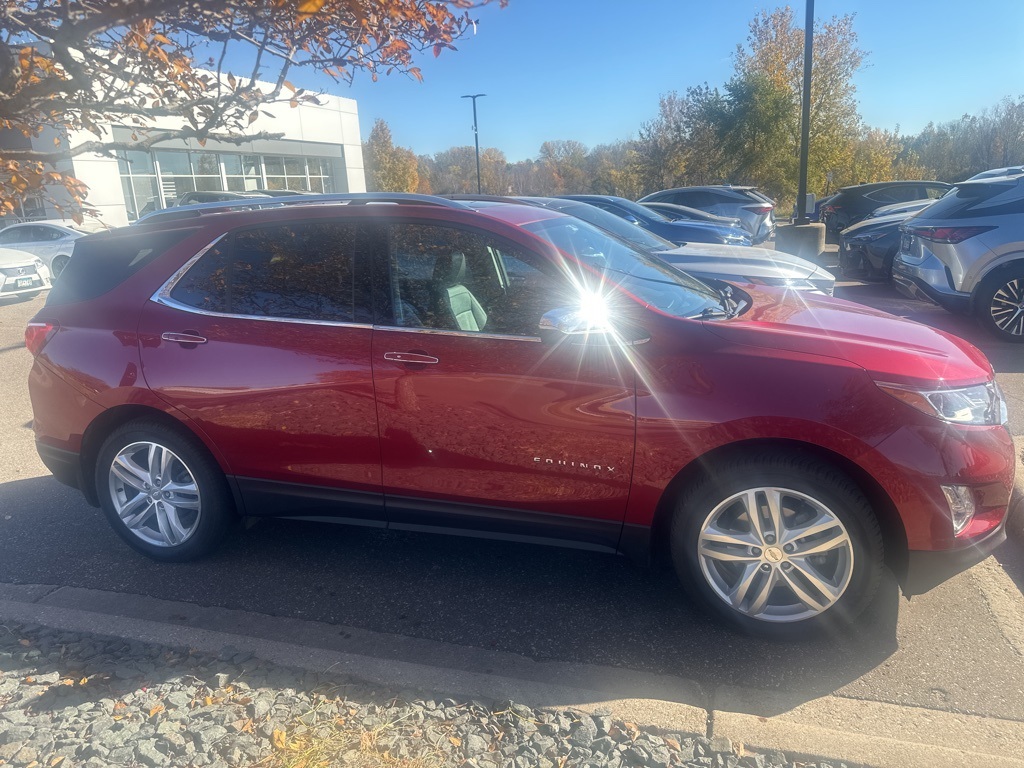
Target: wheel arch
1005,263
113,418
888,516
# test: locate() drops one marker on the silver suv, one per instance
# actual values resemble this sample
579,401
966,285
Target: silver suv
965,252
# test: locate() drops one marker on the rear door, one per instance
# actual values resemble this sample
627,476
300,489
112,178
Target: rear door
265,343
483,426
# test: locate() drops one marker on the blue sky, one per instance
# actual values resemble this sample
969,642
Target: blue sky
592,70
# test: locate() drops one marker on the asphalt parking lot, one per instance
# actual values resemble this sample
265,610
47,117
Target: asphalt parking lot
957,648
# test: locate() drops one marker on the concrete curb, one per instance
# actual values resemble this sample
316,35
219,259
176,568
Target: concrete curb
865,732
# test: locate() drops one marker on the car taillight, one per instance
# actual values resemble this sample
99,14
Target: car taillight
952,235
831,208
760,210
37,334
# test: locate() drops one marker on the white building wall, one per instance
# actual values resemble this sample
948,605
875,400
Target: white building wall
333,124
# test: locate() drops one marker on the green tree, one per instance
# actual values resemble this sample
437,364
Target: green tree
388,168
773,60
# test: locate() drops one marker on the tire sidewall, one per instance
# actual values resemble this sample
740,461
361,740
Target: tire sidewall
989,287
845,501
217,506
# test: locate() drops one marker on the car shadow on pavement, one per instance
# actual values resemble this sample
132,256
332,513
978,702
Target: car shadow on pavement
543,603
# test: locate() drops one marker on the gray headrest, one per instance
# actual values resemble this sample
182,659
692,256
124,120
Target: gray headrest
450,270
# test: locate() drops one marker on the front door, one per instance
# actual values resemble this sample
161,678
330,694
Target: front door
484,426
265,343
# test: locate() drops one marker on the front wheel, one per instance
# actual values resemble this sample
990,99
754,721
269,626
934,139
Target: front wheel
1000,305
778,545
162,492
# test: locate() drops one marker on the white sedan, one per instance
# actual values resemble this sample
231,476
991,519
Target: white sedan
22,274
52,240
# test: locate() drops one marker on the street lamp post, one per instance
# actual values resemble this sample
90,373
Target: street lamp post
476,139
805,115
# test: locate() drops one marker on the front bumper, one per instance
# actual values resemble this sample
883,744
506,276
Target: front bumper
15,284
926,569
929,281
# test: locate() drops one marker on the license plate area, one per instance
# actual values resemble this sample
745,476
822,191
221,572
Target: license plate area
25,282
905,241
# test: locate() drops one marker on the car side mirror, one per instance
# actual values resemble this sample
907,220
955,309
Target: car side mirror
586,326
631,219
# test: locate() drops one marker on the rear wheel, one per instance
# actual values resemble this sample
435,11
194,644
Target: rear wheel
778,545
1000,304
162,492
57,266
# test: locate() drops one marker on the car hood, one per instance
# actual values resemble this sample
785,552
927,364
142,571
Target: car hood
746,261
11,257
869,225
889,348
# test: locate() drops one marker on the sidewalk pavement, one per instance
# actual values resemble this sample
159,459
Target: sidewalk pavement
181,684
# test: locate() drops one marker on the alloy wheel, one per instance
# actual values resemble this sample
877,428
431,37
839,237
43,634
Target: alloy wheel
154,494
775,554
1007,308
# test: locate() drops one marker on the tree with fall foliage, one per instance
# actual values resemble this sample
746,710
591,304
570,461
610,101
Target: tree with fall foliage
388,168
78,65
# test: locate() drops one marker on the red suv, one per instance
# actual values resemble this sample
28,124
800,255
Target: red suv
513,372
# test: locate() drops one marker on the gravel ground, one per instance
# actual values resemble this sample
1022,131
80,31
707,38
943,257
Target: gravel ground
69,699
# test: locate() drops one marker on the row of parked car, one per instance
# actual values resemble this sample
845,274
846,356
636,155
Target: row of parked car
660,223
962,249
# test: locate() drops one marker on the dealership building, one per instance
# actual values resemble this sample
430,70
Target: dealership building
319,151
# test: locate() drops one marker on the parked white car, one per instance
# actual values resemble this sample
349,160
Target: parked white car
52,240
22,274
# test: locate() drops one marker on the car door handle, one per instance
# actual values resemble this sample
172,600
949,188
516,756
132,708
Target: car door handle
183,338
410,357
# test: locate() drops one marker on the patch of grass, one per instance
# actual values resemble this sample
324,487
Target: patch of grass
342,743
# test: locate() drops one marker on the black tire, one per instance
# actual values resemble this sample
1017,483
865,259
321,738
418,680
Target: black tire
216,510
1006,285
58,265
796,473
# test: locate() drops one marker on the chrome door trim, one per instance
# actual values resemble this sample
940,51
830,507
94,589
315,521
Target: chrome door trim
467,334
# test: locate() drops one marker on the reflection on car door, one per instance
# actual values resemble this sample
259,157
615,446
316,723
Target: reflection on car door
483,426
265,343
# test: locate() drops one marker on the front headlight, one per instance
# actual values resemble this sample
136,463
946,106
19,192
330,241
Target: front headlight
982,404
39,263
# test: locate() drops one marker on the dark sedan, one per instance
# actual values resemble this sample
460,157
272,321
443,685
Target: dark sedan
678,232
852,204
866,249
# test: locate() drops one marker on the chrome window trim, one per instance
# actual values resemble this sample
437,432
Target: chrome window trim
163,296
467,334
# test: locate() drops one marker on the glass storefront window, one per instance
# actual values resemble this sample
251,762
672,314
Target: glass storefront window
180,172
174,163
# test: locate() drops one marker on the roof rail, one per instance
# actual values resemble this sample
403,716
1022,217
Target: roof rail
350,198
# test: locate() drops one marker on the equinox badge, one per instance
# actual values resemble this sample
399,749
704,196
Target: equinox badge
580,464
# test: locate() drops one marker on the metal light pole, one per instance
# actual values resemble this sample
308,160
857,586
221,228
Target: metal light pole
476,139
805,117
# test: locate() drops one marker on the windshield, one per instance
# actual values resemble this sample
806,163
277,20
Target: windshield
643,275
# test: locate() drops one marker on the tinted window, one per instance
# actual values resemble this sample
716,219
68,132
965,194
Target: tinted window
297,271
102,262
974,201
900,194
459,280
17,235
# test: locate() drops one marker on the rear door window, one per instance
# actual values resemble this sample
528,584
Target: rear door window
313,271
